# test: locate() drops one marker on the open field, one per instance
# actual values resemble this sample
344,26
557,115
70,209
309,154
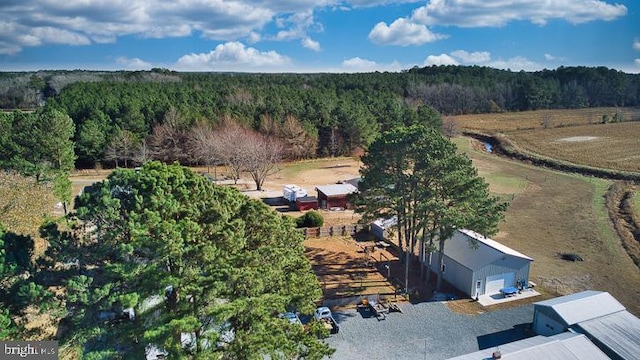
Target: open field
557,213
569,136
527,120
608,146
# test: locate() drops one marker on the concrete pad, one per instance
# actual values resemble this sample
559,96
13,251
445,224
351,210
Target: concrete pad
488,300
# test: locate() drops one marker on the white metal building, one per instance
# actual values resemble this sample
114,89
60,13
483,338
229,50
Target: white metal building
597,315
557,315
477,265
565,346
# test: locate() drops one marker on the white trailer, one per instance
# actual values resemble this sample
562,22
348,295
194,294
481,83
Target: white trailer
292,192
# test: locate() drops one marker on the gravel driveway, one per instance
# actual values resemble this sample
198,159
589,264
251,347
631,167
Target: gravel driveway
426,331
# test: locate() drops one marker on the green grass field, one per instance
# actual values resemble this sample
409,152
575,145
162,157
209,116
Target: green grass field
552,212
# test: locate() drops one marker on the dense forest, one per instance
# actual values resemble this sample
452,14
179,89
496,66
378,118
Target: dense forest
333,114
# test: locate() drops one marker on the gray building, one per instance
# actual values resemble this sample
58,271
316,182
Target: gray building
477,265
596,314
565,346
557,315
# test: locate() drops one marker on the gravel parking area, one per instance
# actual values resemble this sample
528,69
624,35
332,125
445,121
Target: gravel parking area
426,331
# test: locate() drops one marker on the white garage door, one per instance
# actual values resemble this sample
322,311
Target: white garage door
496,282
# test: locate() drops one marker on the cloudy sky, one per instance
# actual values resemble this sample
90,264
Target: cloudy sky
317,35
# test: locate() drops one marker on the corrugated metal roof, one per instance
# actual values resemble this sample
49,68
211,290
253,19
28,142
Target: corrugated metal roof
619,332
386,223
566,346
494,244
582,306
336,189
460,249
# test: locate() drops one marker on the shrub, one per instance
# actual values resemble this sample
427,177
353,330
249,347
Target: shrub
310,219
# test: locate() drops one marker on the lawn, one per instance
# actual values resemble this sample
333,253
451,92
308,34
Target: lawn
557,213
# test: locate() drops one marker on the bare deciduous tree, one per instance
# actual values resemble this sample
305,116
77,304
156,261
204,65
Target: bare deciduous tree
450,126
228,141
298,143
547,120
262,155
202,144
168,142
142,153
121,147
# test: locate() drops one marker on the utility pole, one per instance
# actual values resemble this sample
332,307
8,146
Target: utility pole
406,270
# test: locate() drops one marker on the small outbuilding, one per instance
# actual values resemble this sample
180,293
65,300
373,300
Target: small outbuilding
307,203
382,228
477,265
557,315
335,195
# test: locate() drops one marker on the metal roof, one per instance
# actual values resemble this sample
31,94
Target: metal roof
565,346
460,248
582,306
619,333
336,189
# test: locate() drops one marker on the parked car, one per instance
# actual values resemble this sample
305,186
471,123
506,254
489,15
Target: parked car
292,317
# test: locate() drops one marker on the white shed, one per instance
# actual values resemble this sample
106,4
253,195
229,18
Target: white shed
381,227
477,265
557,315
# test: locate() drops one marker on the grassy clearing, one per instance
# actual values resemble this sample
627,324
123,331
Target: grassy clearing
293,169
500,183
555,213
603,223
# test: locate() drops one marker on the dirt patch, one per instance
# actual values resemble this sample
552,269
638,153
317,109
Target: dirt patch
344,268
578,138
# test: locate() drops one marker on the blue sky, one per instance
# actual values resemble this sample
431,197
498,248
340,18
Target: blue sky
317,35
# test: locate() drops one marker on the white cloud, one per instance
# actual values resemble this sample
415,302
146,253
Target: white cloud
233,56
477,57
550,57
402,32
82,22
442,59
636,44
482,58
637,62
358,64
474,13
133,63
311,44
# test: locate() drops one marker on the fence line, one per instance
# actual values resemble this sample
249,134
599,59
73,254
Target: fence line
337,230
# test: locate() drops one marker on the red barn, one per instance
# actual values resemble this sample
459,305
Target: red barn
335,196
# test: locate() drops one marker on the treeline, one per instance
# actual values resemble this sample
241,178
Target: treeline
338,112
